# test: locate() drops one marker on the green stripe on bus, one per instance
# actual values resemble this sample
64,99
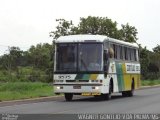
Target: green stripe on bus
83,76
120,77
79,76
86,76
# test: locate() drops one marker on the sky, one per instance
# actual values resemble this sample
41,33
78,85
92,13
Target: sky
28,22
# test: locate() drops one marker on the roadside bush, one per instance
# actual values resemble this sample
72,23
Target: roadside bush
151,76
24,74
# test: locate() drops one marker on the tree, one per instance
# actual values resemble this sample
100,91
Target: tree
63,28
98,25
144,60
157,49
155,57
95,25
129,33
152,67
40,55
11,60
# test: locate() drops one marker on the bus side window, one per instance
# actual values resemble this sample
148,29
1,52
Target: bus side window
129,53
125,53
118,52
121,52
133,55
137,55
115,51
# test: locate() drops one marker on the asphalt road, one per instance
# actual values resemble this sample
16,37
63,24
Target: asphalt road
144,101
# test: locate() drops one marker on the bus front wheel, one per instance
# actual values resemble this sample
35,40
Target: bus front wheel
68,96
108,95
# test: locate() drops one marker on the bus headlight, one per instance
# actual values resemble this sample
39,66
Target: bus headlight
58,87
97,88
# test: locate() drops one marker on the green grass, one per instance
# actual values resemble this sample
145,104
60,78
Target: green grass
24,90
150,82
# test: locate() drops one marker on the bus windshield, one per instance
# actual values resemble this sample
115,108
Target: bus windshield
79,57
66,57
90,57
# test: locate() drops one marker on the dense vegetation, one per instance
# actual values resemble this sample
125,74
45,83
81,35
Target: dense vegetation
36,64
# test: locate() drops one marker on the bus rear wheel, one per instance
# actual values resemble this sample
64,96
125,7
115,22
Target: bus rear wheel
68,96
129,93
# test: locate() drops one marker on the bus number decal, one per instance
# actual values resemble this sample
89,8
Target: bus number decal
64,77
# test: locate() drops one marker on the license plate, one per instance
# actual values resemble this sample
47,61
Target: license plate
90,94
86,94
76,87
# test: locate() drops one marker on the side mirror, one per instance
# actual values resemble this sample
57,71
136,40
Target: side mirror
111,53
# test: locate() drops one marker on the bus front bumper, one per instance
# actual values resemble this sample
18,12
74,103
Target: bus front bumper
78,89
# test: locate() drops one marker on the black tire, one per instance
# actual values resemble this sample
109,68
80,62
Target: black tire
68,96
124,93
108,96
96,96
129,93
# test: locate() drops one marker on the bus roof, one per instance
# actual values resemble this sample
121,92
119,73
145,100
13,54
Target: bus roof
123,42
81,38
92,38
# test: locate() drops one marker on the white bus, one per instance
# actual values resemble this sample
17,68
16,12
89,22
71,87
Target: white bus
95,65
